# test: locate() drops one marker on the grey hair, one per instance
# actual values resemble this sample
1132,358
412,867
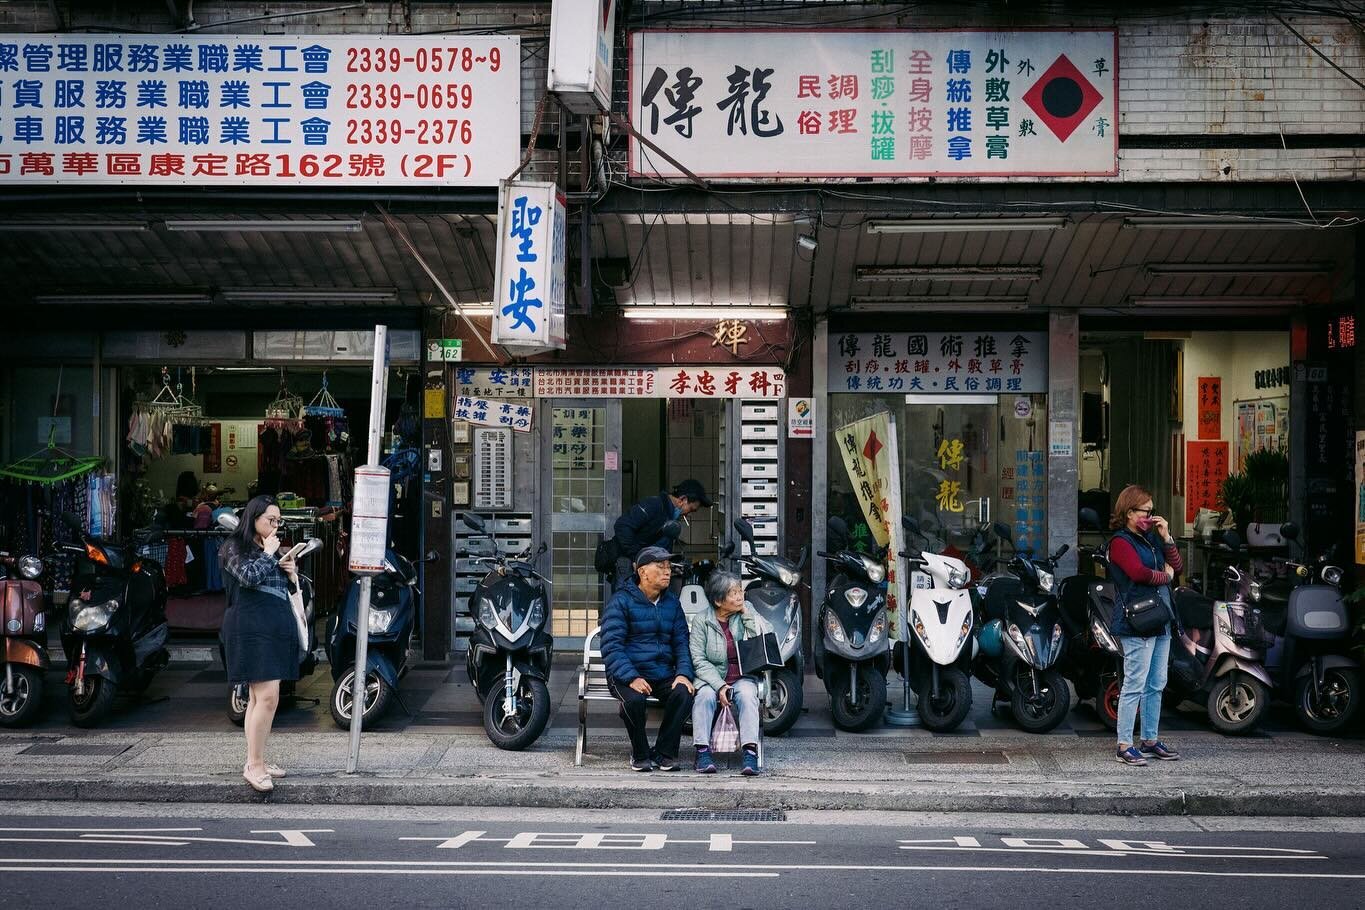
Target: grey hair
720,584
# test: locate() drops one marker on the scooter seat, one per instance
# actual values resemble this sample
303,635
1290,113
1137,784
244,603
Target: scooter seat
1194,609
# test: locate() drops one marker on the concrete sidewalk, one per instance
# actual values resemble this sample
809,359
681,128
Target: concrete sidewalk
182,749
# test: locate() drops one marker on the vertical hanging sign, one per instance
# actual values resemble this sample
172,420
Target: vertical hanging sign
528,315
1210,407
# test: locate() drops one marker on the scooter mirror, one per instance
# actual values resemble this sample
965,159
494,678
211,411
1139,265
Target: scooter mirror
909,524
729,549
542,548
472,522
838,526
745,529
229,521
805,556
1289,531
311,546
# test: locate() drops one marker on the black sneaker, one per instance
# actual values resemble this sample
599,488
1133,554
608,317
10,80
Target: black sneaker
1130,756
664,763
1160,751
641,764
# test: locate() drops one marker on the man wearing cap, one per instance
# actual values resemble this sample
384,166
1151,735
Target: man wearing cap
642,525
646,653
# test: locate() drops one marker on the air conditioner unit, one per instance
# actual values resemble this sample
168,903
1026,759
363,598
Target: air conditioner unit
492,468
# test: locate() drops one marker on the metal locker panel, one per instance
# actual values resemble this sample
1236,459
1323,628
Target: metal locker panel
760,509
760,431
764,548
758,470
759,489
758,412
757,451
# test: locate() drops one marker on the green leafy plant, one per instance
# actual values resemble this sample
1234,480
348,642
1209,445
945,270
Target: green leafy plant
1267,473
1235,494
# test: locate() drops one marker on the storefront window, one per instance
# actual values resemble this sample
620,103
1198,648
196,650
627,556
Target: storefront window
579,483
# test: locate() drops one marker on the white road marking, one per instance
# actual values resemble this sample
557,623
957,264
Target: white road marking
101,830
294,838
1102,853
544,873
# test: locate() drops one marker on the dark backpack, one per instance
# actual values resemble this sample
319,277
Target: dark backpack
605,556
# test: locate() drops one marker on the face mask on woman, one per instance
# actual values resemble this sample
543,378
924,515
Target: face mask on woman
1144,523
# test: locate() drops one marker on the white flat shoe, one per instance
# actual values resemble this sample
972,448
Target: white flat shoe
274,770
261,783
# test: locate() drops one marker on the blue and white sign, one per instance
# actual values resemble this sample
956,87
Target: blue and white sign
495,412
528,314
439,110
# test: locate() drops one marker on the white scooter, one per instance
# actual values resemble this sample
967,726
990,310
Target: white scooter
942,645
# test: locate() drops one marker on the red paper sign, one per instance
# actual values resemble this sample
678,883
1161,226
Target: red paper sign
1207,465
1210,408
213,458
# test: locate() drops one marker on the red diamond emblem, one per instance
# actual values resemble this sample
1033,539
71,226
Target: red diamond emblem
1062,97
874,445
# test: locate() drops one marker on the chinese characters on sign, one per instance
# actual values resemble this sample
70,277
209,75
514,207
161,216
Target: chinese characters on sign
662,382
528,311
629,382
938,362
875,103
871,459
259,109
575,444
494,382
1210,407
494,412
1024,489
1206,466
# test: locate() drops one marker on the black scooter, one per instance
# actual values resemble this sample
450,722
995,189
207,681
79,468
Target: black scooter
115,630
853,651
775,597
511,649
1093,661
1309,660
1022,623
393,612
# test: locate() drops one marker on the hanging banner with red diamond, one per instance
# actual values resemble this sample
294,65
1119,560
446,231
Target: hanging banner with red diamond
881,104
872,461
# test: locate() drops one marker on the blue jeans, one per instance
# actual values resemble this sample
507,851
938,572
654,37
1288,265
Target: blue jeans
745,692
1144,676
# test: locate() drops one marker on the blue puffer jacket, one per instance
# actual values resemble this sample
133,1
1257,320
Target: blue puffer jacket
1150,550
642,639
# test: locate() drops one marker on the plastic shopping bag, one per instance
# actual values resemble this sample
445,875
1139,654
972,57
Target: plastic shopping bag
725,732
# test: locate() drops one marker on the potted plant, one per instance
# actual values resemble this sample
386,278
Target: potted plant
1267,473
1235,494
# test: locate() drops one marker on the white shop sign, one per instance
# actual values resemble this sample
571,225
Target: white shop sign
528,306
875,103
321,110
369,519
683,381
967,362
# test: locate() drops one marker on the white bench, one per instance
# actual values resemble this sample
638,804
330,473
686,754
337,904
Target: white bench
592,686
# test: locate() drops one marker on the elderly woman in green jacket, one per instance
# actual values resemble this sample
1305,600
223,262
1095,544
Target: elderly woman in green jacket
715,634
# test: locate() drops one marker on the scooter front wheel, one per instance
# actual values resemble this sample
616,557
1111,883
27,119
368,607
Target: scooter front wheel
1332,708
871,704
783,708
94,705
20,705
1043,712
954,701
1236,703
1107,700
530,714
377,695
238,698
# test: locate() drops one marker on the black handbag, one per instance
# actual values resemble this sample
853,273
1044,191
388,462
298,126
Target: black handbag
1147,616
758,653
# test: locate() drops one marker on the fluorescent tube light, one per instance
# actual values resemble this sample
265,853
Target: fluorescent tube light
947,273
1240,268
310,295
945,225
68,227
170,299
1215,302
1194,222
267,227
747,314
475,309
937,304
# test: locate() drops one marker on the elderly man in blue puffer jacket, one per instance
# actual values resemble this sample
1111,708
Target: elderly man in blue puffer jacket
645,649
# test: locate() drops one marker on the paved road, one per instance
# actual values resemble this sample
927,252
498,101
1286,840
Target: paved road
203,857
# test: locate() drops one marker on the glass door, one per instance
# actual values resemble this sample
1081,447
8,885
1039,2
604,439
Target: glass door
951,465
582,496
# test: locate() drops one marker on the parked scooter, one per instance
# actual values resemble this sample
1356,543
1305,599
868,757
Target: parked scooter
774,595
511,649
1022,639
240,694
393,612
942,644
852,653
1093,661
25,637
1309,660
1217,654
115,630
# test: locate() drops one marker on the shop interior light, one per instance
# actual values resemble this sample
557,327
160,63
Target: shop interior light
170,299
947,273
930,303
68,227
746,313
944,225
1194,222
1214,303
310,295
1240,268
267,227
476,309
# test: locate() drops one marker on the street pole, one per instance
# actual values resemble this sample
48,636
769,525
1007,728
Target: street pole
369,533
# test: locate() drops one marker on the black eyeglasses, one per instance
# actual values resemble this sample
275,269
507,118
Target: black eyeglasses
1144,511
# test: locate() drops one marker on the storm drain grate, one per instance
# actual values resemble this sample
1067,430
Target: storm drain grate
957,758
75,749
723,815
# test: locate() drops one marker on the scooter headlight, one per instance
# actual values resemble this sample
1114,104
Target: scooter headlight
40,622
536,614
957,578
856,597
1332,575
380,620
487,615
1045,580
876,572
1021,643
918,625
878,630
89,617
835,629
30,567
1254,592
1102,636
788,577
964,631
